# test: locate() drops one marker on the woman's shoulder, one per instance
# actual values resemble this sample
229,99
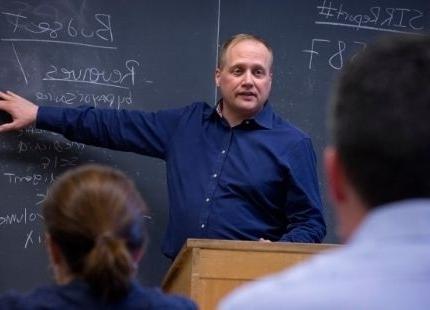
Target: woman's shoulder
154,298
77,295
43,297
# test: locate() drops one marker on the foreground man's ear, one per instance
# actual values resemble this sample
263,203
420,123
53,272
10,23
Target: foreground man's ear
335,175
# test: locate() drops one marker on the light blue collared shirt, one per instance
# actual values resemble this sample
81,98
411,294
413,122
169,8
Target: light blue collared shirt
386,265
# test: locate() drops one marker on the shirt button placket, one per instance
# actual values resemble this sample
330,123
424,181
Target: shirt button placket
208,199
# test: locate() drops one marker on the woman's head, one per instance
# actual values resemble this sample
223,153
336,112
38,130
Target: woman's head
96,218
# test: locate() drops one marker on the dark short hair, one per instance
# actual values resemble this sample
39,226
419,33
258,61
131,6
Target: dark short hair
236,39
380,120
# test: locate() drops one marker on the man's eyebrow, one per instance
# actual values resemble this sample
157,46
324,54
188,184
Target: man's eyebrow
259,67
241,64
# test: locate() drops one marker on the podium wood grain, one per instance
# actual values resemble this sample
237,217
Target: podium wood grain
206,270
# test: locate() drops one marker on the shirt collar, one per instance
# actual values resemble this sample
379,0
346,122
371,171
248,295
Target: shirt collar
264,118
396,220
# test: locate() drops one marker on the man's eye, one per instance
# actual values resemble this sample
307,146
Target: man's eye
237,71
259,72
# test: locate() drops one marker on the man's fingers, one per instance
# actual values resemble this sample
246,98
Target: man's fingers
12,94
5,96
7,127
264,240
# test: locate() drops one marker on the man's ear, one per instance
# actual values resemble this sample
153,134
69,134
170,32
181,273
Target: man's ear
335,174
217,76
349,207
271,78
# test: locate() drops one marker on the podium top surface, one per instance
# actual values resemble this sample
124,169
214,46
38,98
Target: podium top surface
255,245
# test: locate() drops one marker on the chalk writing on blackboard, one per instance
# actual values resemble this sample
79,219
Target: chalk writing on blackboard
109,100
99,80
93,75
334,52
376,18
54,31
336,57
25,217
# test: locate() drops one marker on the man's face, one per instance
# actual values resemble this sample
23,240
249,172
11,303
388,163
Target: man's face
245,79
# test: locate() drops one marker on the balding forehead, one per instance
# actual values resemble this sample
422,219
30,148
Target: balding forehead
229,44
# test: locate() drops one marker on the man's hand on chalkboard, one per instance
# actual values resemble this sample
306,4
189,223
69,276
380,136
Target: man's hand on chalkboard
22,111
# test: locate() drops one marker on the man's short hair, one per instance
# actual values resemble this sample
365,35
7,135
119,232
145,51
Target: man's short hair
236,39
380,120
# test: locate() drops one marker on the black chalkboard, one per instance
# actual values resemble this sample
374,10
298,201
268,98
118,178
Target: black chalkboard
155,54
132,54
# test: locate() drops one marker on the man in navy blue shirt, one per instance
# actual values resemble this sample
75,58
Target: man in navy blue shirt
234,171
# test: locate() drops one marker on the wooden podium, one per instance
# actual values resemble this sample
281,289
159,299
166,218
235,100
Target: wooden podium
206,270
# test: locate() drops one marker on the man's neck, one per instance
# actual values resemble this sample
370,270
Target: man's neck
233,119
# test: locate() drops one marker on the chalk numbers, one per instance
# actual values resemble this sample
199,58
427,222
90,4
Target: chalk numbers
332,52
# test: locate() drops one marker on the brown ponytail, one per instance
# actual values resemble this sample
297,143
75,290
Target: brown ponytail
97,218
110,263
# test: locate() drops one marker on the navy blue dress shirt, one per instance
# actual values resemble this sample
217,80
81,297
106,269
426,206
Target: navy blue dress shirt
77,295
255,180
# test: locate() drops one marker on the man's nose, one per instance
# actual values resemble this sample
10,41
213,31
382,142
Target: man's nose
248,79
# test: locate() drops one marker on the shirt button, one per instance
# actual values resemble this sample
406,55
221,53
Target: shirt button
247,122
214,175
203,226
223,152
207,199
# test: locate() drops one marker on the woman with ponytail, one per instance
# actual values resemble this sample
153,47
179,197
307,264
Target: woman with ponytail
96,235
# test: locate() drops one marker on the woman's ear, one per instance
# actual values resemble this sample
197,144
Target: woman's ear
57,261
53,249
137,255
